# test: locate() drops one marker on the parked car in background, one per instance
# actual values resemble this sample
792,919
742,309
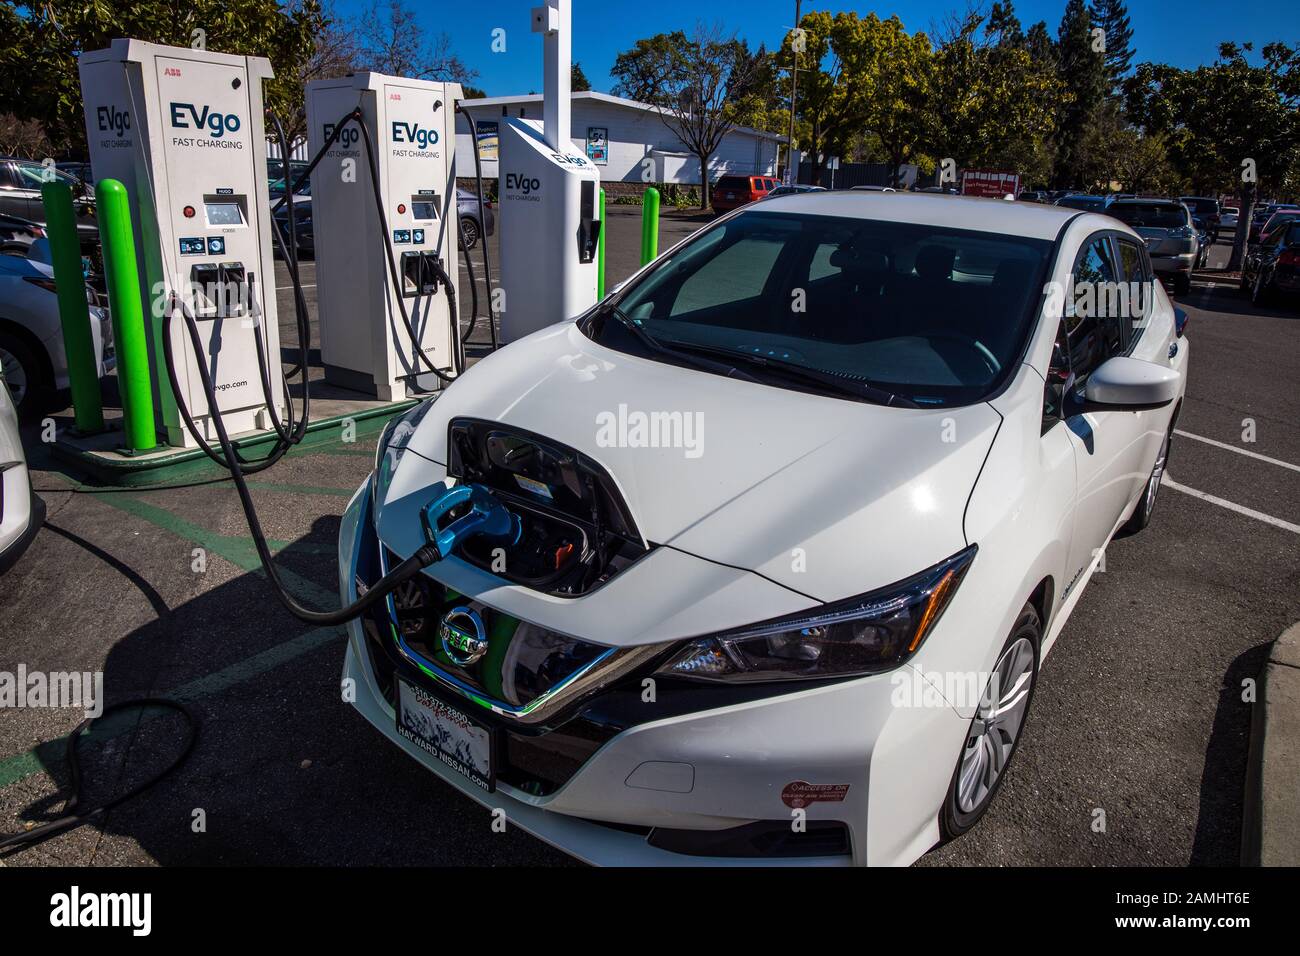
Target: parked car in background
81,170
1035,195
873,189
22,512
1228,218
1084,201
1208,210
732,192
20,195
31,335
794,189
1272,269
1166,227
472,225
1203,241
275,177
1276,222
1263,213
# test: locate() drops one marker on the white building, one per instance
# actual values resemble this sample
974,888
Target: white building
621,137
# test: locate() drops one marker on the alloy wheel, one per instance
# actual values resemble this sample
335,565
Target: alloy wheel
996,726
1153,483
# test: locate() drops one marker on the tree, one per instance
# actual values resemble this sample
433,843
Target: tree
992,101
40,41
1082,70
1232,124
394,42
694,81
336,51
25,138
578,81
1111,16
897,88
831,103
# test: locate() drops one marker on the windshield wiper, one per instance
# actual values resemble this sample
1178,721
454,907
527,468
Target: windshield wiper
652,344
855,388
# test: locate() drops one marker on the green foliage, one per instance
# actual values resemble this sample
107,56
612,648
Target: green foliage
1217,117
40,43
994,101
1112,17
578,81
698,82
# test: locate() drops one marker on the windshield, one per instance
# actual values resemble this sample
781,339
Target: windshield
1151,215
931,314
36,175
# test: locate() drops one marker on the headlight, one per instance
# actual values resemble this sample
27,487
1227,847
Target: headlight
393,440
863,635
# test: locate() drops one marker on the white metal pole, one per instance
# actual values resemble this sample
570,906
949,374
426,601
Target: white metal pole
554,21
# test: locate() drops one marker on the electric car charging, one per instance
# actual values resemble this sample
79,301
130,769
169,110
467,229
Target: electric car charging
839,532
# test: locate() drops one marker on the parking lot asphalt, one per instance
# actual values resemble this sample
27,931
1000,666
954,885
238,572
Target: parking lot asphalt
1134,752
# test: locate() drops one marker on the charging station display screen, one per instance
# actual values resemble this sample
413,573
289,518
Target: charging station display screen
424,207
224,214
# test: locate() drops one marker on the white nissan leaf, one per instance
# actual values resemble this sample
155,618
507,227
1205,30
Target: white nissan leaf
801,508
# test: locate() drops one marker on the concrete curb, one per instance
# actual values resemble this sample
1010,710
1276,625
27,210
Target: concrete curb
1271,828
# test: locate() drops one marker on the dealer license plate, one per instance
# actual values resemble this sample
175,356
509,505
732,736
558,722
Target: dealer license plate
459,742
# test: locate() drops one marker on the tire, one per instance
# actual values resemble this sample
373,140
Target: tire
24,375
1182,283
1141,516
1260,292
990,746
469,233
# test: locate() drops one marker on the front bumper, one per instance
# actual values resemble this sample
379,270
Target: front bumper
686,779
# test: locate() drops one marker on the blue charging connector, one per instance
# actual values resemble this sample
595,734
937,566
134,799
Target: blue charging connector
487,517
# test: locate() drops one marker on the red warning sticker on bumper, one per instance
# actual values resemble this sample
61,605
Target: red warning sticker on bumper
800,794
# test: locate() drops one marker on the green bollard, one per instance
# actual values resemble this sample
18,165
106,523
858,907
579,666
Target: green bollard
649,225
74,312
600,251
123,279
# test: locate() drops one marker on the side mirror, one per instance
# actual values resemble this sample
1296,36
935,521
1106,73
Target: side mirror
1129,384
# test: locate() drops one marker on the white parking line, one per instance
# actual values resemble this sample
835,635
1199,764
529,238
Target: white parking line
305,285
1167,482
1240,451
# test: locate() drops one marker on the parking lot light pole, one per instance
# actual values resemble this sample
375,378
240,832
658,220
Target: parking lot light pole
123,280
74,311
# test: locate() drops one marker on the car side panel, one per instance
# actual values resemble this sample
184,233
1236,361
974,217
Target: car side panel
1020,514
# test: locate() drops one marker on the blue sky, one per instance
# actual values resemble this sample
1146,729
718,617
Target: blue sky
1182,32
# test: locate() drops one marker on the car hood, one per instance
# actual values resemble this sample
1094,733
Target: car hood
829,497
24,266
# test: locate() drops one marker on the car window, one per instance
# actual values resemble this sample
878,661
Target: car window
1092,333
731,182
34,175
1137,290
1151,215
